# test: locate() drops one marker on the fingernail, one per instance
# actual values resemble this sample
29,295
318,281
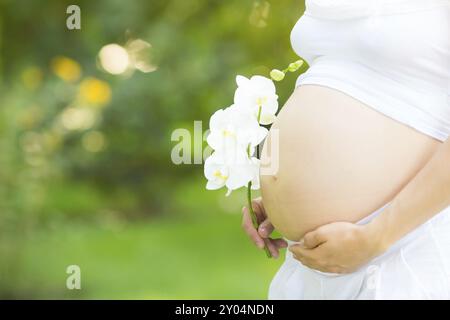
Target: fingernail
260,244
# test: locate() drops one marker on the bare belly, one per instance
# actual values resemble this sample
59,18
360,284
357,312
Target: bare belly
338,160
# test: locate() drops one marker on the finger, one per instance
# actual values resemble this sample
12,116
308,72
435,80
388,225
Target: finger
258,209
310,263
312,258
304,261
265,228
313,239
272,248
279,243
313,262
274,245
302,252
250,230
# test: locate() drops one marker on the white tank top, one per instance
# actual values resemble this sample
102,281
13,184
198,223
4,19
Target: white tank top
392,55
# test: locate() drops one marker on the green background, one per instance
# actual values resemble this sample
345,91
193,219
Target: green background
104,194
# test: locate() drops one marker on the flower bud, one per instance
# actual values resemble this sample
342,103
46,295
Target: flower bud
294,66
277,75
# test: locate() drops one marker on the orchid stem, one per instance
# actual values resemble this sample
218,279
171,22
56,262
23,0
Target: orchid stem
249,194
254,219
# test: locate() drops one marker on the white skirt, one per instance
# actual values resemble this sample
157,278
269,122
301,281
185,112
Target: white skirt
415,267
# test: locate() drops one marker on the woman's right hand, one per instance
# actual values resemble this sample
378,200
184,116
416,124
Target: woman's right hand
260,237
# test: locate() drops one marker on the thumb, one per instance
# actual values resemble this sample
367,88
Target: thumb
312,239
265,228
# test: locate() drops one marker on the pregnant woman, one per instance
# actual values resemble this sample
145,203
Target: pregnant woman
362,193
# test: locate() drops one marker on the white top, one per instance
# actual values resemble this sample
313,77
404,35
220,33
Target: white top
393,55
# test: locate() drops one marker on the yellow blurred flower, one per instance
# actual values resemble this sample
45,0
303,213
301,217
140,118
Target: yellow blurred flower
67,69
95,91
32,77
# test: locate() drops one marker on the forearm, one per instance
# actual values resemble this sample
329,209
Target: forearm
423,197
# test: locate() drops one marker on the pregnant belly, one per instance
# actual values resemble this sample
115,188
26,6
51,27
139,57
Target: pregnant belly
328,158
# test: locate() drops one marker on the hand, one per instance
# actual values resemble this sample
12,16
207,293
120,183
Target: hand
261,236
338,247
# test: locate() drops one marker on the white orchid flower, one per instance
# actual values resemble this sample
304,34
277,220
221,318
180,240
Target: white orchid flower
255,173
231,129
257,95
233,175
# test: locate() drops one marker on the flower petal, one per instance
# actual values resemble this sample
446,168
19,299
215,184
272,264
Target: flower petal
241,80
267,118
211,185
263,84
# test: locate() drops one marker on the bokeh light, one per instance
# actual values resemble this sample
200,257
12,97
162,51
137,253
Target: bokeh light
95,92
140,54
67,69
114,58
75,118
93,141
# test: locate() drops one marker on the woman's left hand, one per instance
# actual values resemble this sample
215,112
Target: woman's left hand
338,247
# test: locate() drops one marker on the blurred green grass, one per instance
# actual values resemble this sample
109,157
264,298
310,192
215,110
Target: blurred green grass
206,258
